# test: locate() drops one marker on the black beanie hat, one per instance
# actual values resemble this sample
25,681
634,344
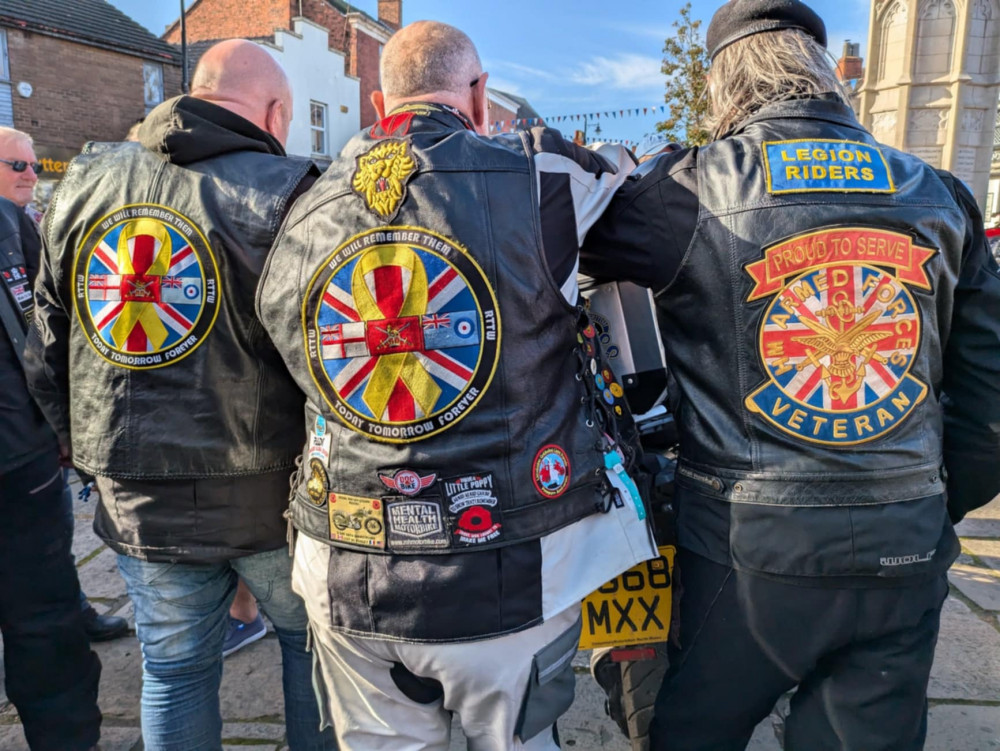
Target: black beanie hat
742,18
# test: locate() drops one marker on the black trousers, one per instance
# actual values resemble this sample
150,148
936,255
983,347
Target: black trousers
51,672
861,659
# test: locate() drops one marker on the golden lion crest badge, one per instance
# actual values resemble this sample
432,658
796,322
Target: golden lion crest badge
381,177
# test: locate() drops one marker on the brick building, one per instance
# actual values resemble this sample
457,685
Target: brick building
72,72
352,32
508,112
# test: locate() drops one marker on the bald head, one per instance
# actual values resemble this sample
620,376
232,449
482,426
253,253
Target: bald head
431,61
242,77
428,57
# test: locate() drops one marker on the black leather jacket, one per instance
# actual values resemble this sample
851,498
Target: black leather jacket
833,320
452,390
146,354
145,349
24,435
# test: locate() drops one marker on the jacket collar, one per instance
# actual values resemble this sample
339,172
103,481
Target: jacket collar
827,107
443,114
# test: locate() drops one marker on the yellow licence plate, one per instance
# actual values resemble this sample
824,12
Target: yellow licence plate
634,608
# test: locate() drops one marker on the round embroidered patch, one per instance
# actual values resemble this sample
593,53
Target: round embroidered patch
551,471
402,333
147,287
838,343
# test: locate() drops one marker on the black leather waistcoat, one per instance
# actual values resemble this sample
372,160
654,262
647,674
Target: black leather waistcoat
450,387
171,375
808,321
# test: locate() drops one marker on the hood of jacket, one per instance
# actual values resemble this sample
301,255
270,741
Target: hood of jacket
184,130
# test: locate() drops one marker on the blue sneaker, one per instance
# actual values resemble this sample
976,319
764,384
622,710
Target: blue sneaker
239,634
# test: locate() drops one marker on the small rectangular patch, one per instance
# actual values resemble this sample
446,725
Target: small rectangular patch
415,525
821,166
469,490
357,521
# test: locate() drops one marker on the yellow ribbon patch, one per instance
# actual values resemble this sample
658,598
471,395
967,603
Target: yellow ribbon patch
138,280
386,306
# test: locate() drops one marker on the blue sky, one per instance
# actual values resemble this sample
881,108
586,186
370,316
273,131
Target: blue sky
569,57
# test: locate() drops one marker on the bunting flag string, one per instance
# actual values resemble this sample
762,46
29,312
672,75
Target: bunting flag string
499,125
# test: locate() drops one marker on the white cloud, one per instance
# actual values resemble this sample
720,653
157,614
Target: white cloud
626,71
522,69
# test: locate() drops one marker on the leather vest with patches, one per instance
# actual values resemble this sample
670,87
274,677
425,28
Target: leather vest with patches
808,322
455,401
171,375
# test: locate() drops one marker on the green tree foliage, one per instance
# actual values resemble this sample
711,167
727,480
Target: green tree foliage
685,64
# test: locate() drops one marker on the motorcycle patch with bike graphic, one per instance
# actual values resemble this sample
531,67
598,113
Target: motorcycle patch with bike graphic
840,335
357,521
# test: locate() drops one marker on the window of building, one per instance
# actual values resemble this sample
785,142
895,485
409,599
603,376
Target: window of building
892,49
935,37
6,95
152,88
317,126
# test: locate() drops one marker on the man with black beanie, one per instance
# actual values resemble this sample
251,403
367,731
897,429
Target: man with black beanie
832,316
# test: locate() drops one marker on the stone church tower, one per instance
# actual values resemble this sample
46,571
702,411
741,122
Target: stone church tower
933,81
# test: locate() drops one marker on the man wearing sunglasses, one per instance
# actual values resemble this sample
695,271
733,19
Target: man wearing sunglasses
51,672
180,405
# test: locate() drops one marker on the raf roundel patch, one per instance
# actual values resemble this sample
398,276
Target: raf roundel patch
551,471
146,287
381,175
841,334
402,333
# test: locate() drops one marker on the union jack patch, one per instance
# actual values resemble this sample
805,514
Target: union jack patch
841,335
402,333
149,287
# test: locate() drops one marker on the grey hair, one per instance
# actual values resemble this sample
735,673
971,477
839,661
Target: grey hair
15,135
763,69
425,57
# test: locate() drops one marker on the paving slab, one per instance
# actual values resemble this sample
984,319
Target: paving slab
121,679
100,578
763,738
987,551
251,683
979,584
268,731
967,661
983,522
965,727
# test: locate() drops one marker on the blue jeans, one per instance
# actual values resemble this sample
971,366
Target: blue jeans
181,612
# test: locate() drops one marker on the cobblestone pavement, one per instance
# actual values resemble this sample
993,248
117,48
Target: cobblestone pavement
964,689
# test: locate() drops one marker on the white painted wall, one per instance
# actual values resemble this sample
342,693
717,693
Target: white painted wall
317,74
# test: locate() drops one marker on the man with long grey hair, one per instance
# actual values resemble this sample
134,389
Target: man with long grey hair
832,316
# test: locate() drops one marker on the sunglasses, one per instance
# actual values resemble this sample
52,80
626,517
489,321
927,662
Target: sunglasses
19,166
